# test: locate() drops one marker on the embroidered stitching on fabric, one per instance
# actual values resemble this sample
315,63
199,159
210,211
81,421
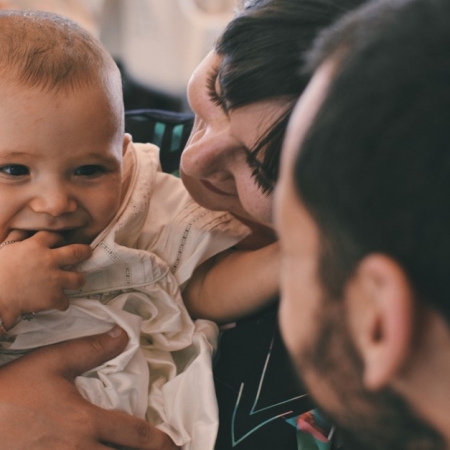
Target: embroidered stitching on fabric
184,238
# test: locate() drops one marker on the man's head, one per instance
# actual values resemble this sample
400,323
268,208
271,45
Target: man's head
363,214
61,136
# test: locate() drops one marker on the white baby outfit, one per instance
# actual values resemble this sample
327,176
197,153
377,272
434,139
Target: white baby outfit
158,237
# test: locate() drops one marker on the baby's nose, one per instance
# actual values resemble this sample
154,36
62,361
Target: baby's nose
54,201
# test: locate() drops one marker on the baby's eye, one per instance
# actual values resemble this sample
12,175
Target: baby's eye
15,170
89,171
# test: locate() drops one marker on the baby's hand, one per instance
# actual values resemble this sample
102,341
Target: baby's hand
34,272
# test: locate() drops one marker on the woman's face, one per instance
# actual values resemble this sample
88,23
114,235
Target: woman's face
214,165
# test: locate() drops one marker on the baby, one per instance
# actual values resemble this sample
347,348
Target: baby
87,216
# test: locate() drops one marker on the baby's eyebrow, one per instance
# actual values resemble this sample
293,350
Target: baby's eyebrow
100,157
14,154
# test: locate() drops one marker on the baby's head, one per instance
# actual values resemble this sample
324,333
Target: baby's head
62,128
48,52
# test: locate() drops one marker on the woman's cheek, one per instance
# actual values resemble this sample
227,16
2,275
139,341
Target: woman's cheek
257,204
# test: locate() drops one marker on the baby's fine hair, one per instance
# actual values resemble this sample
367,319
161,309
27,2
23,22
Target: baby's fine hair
40,49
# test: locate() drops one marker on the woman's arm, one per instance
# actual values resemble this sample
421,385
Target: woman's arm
233,284
40,407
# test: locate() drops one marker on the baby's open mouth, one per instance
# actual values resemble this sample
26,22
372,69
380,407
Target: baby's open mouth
66,234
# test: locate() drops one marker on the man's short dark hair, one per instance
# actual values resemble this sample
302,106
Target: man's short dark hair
374,169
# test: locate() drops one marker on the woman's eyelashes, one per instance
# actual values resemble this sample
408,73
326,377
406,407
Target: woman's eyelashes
212,91
261,180
258,172
259,175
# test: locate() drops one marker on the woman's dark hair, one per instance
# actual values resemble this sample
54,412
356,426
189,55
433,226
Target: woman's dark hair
374,168
262,50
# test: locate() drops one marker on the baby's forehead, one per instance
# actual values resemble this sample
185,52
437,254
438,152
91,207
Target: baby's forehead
105,84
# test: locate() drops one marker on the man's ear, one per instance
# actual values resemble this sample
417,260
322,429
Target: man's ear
380,306
126,141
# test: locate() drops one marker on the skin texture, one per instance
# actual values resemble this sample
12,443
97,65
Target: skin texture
299,241
54,416
299,237
215,170
63,198
60,184
60,163
214,164
357,355
55,199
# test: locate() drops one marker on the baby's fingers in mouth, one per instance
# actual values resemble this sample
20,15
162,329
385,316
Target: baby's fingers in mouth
19,235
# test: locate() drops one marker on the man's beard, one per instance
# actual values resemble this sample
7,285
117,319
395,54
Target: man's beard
368,420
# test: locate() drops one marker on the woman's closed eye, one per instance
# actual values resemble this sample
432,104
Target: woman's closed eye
259,175
262,181
90,171
212,91
14,170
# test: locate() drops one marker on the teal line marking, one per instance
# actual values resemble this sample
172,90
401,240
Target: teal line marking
253,409
233,439
261,381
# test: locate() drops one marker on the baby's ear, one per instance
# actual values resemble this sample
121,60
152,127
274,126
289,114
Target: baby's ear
126,141
380,305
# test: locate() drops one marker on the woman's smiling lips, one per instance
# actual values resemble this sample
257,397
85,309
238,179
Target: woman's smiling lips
212,188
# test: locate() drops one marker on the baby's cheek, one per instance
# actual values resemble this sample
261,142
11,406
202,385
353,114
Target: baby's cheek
107,207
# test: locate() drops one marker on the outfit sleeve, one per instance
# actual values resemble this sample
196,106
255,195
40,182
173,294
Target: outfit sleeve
183,233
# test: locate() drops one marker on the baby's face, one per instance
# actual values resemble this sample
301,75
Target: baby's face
60,162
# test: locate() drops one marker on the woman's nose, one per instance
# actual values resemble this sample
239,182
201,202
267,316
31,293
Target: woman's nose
208,151
53,200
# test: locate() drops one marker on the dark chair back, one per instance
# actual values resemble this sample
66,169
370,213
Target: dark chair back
166,129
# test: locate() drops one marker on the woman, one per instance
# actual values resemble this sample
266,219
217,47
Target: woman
253,80
243,94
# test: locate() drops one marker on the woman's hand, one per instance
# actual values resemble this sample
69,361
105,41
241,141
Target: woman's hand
40,407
